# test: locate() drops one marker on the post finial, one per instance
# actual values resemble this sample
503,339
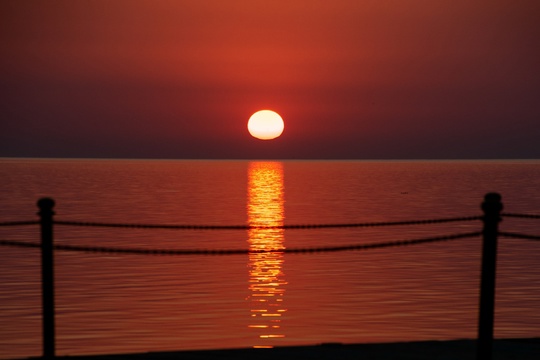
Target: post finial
492,203
45,205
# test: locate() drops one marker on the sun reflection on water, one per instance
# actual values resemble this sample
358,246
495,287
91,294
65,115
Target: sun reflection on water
266,278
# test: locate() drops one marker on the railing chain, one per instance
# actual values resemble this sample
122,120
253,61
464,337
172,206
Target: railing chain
519,236
19,223
103,249
523,216
23,244
254,227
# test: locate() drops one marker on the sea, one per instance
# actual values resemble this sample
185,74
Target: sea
109,302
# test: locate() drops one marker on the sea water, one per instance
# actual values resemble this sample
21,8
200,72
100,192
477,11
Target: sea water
113,303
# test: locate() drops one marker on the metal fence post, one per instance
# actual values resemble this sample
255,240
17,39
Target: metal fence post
47,276
492,208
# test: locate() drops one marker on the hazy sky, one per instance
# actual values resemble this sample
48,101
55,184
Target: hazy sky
352,79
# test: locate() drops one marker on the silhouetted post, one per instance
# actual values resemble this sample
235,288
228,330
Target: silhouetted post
492,208
47,276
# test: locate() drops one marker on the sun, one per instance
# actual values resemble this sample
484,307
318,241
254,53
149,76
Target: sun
265,125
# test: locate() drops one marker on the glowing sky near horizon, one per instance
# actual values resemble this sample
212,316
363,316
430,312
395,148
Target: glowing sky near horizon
354,79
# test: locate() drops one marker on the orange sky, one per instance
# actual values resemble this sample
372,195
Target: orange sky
352,79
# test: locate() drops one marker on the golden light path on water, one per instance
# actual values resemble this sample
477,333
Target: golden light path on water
266,278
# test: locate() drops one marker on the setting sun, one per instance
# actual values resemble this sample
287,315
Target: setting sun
265,125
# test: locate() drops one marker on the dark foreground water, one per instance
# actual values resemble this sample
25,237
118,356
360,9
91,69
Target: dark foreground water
112,303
